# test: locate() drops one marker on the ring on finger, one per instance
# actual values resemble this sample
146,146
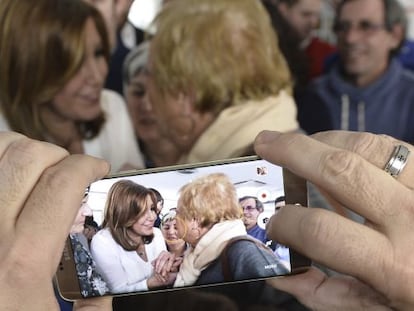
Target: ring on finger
397,161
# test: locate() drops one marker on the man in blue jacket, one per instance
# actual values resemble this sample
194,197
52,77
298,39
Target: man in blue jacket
367,89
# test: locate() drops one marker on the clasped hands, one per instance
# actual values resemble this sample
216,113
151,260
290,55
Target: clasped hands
166,266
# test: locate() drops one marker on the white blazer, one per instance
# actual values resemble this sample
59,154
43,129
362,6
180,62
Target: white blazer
124,271
116,142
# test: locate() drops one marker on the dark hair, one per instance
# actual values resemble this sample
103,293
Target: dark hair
126,202
289,3
280,199
157,195
289,42
394,15
90,222
259,205
42,48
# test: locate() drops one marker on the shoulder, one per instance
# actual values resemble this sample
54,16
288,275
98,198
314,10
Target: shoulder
116,112
111,96
255,259
103,236
323,88
407,75
401,80
112,101
250,257
283,96
320,47
245,247
320,82
157,234
158,239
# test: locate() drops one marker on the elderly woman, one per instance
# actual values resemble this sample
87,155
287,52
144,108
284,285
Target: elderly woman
217,78
158,150
129,252
91,282
211,222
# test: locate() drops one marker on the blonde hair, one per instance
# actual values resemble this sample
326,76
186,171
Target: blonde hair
42,48
209,199
219,51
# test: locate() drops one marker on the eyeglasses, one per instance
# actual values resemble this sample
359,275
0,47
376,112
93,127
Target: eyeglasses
366,28
248,208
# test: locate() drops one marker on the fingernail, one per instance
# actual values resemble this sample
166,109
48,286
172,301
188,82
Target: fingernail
266,137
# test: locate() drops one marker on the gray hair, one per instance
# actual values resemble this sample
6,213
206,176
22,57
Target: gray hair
135,62
394,14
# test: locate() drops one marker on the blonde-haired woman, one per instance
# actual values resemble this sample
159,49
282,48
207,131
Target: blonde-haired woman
129,252
210,220
217,77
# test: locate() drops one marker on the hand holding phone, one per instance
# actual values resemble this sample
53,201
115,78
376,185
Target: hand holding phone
374,257
205,219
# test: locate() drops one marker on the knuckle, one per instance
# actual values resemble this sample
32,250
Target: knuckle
75,169
374,148
340,164
366,144
30,150
387,138
24,147
59,179
317,226
95,167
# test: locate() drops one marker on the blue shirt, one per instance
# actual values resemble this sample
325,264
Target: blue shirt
258,233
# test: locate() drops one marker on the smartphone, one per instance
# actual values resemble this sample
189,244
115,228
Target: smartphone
251,176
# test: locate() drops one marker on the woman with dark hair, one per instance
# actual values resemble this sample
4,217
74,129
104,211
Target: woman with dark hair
54,64
159,206
91,283
129,252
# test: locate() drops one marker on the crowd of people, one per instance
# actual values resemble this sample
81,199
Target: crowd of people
217,79
129,253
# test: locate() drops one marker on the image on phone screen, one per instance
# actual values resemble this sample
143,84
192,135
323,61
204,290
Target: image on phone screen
178,227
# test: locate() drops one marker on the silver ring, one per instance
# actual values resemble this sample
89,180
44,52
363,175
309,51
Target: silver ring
397,161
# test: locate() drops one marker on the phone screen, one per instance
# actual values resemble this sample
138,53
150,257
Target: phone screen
99,261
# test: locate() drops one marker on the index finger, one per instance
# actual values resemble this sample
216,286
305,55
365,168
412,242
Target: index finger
344,175
22,161
376,149
50,210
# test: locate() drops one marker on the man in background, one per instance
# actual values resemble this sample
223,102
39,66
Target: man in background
367,89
